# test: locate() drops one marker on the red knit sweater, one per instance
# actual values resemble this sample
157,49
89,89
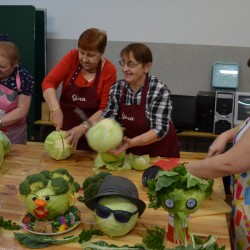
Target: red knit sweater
65,68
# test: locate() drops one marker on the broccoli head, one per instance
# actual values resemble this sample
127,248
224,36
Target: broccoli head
92,184
33,183
60,180
61,172
60,185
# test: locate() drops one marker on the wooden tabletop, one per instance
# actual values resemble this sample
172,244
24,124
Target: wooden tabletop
196,134
23,160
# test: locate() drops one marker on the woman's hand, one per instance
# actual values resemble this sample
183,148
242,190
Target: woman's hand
57,118
217,147
126,143
220,143
73,135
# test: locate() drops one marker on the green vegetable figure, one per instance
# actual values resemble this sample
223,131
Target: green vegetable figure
116,206
57,147
180,194
47,196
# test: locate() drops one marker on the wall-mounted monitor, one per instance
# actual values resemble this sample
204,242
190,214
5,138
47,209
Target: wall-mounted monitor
241,107
184,112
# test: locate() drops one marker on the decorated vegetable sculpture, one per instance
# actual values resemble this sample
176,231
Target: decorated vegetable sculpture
179,193
49,199
116,206
105,135
57,147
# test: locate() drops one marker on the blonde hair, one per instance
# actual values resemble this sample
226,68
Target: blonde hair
9,51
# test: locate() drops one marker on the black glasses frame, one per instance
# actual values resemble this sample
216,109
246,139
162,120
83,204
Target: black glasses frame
120,215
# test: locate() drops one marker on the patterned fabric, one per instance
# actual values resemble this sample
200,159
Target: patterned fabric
27,81
240,184
17,132
158,104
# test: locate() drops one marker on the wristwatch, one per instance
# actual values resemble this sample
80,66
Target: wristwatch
85,125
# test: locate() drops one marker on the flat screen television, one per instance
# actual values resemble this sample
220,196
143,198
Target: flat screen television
241,107
184,112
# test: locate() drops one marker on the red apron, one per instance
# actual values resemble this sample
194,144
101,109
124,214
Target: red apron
17,132
82,98
134,119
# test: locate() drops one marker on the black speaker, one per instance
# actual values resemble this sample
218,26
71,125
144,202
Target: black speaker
223,113
205,111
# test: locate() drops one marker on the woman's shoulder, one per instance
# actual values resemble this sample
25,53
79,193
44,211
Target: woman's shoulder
73,54
155,82
23,72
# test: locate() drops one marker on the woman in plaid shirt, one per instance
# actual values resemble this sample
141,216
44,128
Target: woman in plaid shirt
141,103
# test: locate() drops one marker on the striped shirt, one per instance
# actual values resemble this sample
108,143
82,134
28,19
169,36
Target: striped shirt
158,103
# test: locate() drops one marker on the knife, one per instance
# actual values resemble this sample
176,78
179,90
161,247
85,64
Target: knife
83,116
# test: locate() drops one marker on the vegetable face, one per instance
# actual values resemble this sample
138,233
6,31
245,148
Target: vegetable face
105,135
180,193
57,147
110,225
45,204
48,194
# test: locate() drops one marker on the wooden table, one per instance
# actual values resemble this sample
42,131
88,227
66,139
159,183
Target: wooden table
23,160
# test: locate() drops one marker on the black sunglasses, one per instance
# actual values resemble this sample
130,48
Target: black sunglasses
120,215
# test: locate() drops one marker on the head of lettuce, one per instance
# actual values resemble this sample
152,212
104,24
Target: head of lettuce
105,135
57,147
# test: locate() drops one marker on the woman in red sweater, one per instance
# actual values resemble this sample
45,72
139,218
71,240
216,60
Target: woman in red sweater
86,77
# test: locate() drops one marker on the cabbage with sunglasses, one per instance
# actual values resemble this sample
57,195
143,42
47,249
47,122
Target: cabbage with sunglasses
116,206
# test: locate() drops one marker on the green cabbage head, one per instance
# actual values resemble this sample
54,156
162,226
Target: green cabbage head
109,225
5,142
57,147
1,153
139,162
105,135
56,205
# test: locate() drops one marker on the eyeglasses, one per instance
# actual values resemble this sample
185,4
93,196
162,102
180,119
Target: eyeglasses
130,64
120,215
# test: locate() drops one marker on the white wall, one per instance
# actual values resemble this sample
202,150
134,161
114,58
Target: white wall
203,22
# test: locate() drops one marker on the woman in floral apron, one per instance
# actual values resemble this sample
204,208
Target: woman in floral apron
234,162
16,88
141,103
86,79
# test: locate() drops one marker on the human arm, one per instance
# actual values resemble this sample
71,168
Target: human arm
60,73
21,111
234,161
73,135
56,115
219,144
141,140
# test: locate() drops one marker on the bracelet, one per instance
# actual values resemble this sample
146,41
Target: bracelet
52,103
85,125
55,109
